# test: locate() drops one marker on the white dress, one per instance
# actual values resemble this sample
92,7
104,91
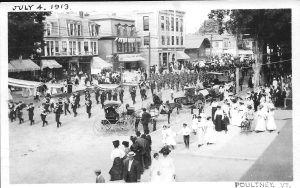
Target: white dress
271,125
168,137
261,122
155,168
167,169
195,124
235,120
201,133
210,135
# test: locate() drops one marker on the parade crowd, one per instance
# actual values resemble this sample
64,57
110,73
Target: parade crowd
253,112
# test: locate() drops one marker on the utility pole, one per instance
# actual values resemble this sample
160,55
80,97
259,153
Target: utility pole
237,70
149,54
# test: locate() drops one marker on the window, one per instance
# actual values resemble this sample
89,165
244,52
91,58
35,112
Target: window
119,47
165,59
177,40
94,30
125,31
64,46
168,40
94,47
176,24
146,23
162,23
172,40
118,29
132,32
134,47
181,25
216,44
181,40
226,44
79,32
146,40
172,23
72,48
48,28
86,47
167,23
56,47
163,40
79,47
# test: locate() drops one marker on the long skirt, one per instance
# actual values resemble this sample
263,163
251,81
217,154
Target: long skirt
210,135
218,123
260,124
271,125
116,171
201,136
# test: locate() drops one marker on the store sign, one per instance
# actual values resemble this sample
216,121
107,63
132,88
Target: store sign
124,57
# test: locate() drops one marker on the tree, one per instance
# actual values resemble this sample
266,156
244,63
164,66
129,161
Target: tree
25,33
269,27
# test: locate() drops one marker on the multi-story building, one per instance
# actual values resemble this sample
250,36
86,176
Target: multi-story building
119,43
72,41
163,35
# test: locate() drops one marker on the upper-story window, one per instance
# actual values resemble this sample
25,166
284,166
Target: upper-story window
216,44
48,28
146,23
181,25
176,24
132,32
162,23
125,27
172,40
172,23
86,47
167,23
75,28
64,47
181,40
146,40
162,40
168,40
94,30
177,40
118,29
119,47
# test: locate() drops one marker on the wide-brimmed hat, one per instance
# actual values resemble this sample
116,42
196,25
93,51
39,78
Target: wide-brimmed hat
116,143
125,143
165,150
131,154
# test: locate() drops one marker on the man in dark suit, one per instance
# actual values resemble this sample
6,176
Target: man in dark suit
30,110
142,143
131,172
147,156
146,117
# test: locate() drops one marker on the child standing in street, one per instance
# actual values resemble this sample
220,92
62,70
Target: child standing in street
185,131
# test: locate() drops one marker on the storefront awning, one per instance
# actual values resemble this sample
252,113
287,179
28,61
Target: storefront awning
99,64
50,63
22,65
23,83
130,57
182,55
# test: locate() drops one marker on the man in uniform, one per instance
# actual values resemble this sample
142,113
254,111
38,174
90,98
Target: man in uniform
121,94
30,110
74,105
133,94
102,98
66,105
97,94
77,99
88,104
57,112
44,115
11,107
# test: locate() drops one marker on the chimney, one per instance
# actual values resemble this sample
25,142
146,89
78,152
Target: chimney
81,14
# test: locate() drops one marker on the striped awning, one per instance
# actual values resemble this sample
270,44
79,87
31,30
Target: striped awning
50,63
20,65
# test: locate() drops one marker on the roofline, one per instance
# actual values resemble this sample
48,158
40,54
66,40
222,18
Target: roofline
120,19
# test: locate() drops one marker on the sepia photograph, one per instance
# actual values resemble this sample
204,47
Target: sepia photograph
149,92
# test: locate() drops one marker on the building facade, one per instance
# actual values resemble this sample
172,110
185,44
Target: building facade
72,41
197,47
119,43
163,36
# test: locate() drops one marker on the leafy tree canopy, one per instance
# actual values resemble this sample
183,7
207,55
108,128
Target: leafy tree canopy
25,33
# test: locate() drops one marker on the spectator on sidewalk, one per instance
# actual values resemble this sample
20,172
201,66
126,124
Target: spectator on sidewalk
99,177
185,131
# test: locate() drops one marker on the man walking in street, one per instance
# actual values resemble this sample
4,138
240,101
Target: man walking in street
146,117
66,105
30,110
88,104
57,112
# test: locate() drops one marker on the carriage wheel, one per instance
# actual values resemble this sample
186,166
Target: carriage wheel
106,124
97,126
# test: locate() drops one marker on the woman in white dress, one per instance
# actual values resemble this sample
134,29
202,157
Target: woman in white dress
271,125
201,131
261,120
168,137
194,124
166,166
210,135
235,120
155,169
